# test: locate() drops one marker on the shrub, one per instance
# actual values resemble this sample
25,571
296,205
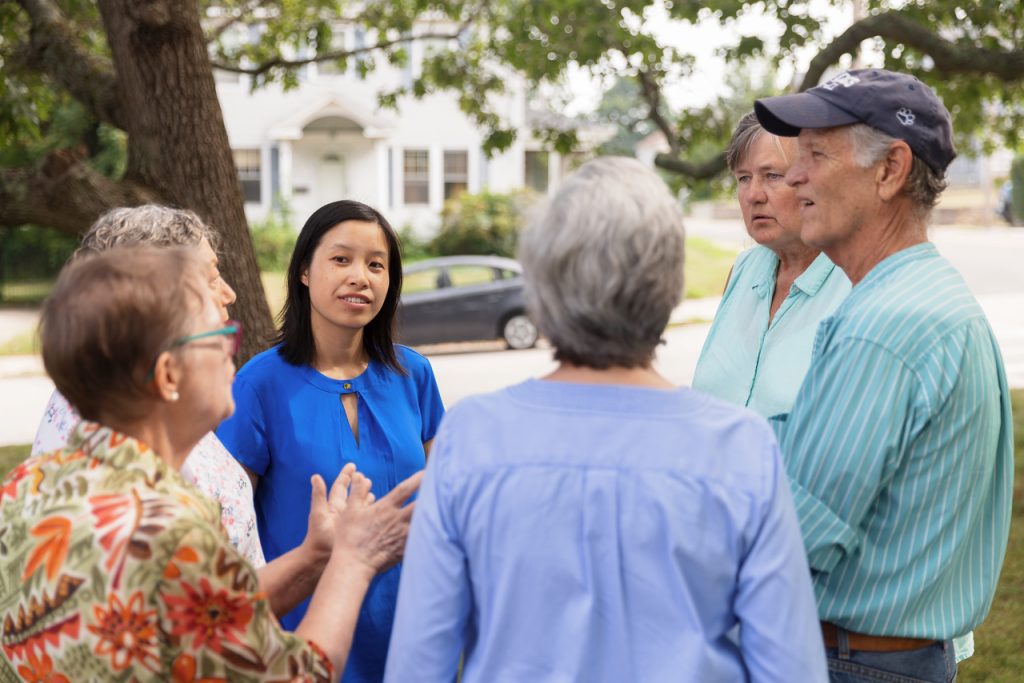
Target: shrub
30,258
1017,192
484,223
273,238
414,248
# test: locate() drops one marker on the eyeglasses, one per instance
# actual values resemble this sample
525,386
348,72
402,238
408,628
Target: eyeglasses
233,330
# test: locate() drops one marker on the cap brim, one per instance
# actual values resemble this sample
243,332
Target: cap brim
787,115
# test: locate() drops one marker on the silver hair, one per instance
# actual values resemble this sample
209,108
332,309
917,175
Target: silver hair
923,185
748,131
149,224
603,264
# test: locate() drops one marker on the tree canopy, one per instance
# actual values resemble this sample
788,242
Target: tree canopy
113,102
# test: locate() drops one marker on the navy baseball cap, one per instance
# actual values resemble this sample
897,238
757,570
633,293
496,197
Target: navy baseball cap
897,104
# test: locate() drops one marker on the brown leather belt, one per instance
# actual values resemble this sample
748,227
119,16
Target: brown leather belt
865,643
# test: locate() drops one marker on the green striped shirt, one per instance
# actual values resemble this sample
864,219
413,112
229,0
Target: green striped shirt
899,449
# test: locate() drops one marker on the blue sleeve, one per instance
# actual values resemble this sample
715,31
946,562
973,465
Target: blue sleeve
427,393
842,443
776,642
435,595
244,433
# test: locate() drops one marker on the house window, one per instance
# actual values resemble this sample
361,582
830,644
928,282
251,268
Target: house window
537,171
456,173
337,44
247,161
416,176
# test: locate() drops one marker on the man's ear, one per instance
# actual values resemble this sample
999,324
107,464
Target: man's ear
167,374
894,170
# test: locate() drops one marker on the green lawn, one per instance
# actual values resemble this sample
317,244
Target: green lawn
28,293
707,267
24,344
999,657
11,456
275,285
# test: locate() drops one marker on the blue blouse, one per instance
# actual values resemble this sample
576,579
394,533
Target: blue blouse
289,423
749,362
604,534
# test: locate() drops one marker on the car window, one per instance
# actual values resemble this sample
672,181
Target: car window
422,281
506,274
467,275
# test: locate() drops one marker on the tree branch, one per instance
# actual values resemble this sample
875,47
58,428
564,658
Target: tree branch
282,63
697,171
53,49
217,28
64,193
949,58
651,93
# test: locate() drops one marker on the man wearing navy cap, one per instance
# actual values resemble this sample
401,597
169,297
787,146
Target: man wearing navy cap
899,447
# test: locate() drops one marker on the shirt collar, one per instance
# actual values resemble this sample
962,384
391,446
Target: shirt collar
894,262
811,280
764,284
808,282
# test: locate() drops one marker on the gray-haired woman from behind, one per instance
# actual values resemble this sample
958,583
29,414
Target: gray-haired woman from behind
599,524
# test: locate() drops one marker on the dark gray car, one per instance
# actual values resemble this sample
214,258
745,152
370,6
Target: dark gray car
464,298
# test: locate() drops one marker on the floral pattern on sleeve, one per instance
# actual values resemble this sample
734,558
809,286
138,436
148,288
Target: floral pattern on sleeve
112,567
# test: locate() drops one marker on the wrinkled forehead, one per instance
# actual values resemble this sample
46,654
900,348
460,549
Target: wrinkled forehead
828,137
767,150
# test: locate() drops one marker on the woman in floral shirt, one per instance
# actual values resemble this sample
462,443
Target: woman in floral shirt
112,566
210,467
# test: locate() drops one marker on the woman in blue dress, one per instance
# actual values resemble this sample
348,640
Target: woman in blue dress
335,389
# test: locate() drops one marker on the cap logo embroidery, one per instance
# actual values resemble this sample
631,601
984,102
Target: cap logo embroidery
905,116
843,79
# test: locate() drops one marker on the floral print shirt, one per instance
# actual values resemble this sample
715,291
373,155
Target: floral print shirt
112,568
209,467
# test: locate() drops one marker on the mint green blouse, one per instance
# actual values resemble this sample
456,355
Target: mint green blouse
747,361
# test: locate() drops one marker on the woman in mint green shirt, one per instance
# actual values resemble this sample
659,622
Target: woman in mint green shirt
759,346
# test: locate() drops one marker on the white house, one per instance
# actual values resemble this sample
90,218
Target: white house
329,140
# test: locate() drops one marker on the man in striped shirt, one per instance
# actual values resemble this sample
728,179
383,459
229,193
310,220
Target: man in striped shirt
899,446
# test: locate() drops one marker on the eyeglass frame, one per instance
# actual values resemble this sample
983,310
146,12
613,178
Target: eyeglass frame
233,328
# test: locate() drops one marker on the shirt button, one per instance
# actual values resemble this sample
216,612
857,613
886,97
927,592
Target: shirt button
347,385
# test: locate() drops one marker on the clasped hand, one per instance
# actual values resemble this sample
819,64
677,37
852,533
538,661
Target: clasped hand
349,521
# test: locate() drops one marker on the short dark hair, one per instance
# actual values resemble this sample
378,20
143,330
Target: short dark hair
296,334
110,315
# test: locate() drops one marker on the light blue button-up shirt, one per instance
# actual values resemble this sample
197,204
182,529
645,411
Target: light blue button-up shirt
899,450
593,533
749,362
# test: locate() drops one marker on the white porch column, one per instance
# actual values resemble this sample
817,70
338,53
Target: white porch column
554,171
384,179
284,160
436,177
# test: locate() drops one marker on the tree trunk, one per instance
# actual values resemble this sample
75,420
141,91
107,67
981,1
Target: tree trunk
177,143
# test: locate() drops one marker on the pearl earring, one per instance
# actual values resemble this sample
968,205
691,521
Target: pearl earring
174,396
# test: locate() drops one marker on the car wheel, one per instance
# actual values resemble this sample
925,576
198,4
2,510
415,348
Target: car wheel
519,332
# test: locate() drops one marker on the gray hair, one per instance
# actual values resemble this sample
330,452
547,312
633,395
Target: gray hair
149,224
603,264
747,132
923,185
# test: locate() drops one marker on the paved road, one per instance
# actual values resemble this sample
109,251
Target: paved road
990,260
